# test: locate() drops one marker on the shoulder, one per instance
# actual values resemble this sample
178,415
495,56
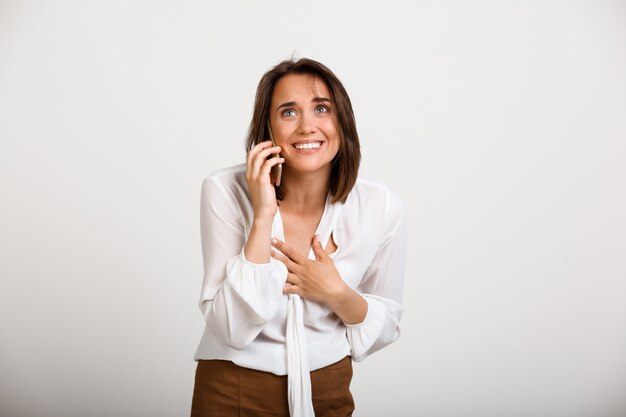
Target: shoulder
227,184
376,197
373,211
230,180
228,176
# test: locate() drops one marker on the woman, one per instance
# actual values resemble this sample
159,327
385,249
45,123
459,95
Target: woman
303,276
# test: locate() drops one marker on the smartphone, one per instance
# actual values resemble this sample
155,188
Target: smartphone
277,170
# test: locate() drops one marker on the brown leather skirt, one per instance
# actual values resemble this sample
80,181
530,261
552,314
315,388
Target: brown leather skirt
223,389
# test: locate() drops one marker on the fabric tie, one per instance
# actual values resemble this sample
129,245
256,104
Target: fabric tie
298,376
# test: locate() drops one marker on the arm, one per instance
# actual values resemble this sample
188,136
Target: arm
381,288
238,297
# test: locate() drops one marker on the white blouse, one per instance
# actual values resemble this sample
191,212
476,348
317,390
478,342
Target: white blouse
250,322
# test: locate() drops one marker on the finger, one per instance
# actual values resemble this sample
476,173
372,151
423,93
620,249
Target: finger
290,252
267,166
293,279
259,162
267,151
288,262
292,289
256,149
318,250
260,158
263,154
252,154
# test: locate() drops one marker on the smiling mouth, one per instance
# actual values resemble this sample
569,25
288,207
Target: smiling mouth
307,146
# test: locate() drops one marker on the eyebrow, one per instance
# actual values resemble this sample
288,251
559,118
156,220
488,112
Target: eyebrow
314,100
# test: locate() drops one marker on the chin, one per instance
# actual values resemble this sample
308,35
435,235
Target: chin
308,166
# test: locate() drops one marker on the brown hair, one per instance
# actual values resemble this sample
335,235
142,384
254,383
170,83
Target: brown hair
345,165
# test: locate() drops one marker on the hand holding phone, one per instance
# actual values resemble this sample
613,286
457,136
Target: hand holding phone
277,170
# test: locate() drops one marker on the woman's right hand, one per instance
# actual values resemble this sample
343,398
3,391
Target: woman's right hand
258,169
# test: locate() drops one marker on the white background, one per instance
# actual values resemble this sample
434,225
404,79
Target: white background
502,125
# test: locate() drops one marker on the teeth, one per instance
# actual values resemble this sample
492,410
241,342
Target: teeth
303,146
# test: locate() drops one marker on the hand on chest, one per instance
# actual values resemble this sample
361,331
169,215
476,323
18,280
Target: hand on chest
300,230
357,247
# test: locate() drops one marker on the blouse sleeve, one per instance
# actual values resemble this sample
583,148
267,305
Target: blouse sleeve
381,287
238,297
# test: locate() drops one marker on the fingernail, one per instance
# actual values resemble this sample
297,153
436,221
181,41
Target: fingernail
274,241
317,237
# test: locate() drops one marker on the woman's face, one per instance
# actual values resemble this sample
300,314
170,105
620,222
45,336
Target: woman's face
303,122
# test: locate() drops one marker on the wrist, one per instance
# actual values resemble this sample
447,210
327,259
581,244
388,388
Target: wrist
263,222
340,297
349,306
257,248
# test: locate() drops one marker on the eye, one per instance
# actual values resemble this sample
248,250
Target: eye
322,109
288,112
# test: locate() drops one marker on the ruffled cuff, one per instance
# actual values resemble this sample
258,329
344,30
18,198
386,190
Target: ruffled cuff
378,329
260,286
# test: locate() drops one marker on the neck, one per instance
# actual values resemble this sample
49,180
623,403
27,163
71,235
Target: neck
307,191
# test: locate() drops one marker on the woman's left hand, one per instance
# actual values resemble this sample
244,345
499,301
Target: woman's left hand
315,280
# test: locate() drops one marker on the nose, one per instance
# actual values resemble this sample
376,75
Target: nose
307,124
